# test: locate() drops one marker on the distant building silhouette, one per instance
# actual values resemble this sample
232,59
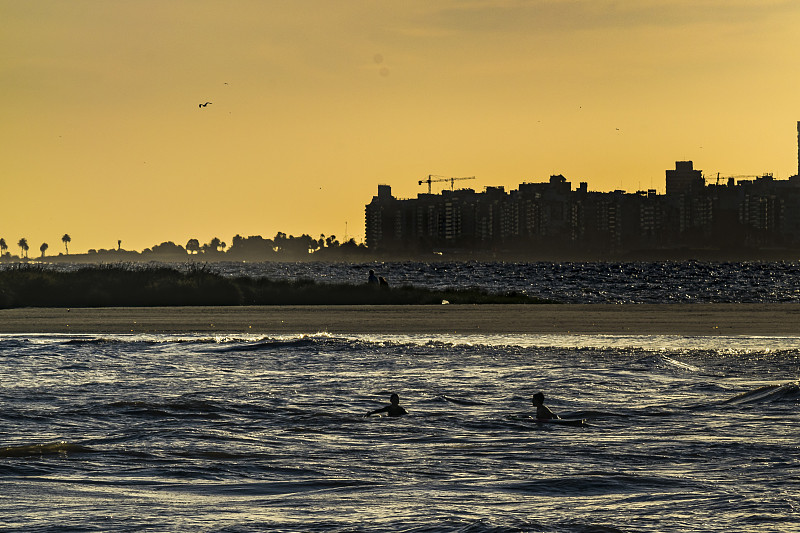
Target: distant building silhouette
684,179
740,217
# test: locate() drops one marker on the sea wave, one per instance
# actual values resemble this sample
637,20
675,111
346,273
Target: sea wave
659,360
190,432
602,483
785,392
51,448
725,345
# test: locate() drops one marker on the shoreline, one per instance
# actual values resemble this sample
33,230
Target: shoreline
627,319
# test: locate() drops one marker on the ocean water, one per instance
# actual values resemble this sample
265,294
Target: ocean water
267,433
595,282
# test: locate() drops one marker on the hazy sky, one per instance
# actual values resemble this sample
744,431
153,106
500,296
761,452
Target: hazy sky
314,103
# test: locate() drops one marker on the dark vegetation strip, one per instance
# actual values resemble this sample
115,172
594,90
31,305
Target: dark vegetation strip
121,286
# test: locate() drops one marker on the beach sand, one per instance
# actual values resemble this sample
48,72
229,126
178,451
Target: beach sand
632,319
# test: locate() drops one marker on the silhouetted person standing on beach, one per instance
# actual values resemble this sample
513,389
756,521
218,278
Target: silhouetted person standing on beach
393,409
373,279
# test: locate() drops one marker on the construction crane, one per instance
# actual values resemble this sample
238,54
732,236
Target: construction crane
743,176
433,178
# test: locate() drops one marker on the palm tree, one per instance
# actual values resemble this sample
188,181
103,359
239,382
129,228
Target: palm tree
66,239
43,248
23,247
3,246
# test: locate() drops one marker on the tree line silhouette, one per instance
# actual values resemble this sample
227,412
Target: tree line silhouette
252,248
24,247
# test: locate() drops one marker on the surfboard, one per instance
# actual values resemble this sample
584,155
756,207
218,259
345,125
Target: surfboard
562,421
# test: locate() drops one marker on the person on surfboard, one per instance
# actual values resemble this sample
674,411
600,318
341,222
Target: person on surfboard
542,411
393,409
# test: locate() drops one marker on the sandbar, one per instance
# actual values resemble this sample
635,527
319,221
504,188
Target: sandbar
626,319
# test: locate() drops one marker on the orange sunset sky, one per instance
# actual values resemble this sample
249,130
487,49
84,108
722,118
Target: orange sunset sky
314,103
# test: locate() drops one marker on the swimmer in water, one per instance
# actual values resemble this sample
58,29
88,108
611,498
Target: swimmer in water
542,411
393,409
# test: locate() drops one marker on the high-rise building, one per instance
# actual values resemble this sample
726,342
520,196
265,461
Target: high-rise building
550,220
684,179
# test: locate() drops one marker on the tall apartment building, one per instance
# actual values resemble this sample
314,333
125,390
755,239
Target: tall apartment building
551,219
684,179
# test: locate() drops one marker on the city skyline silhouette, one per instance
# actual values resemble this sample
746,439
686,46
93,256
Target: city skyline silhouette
315,104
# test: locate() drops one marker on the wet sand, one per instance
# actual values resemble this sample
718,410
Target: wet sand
633,319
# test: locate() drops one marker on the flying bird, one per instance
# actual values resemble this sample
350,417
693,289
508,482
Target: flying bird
203,105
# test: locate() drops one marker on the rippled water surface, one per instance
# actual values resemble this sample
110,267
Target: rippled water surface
182,433
597,282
